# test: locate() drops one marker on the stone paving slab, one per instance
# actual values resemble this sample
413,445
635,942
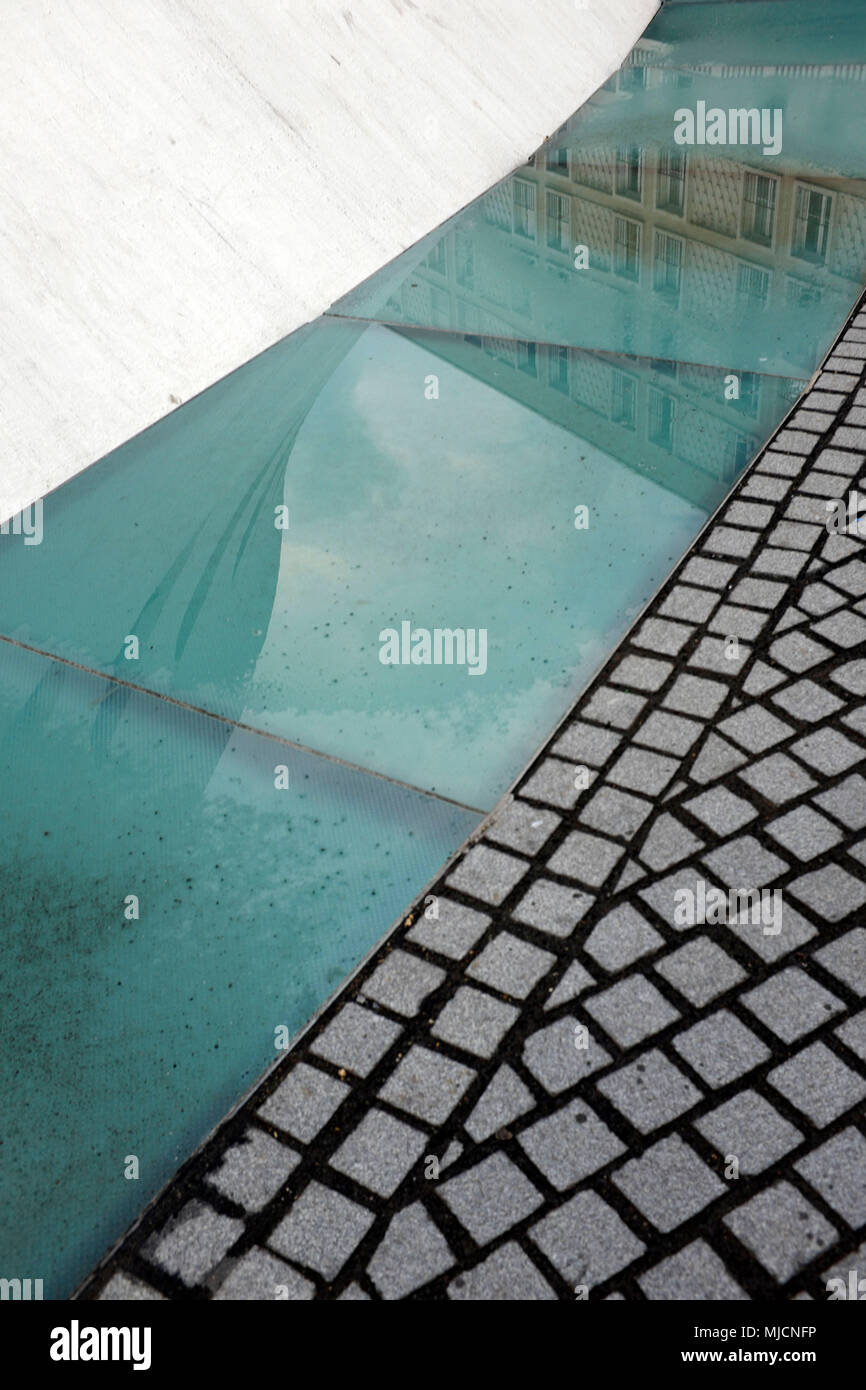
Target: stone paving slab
576,1068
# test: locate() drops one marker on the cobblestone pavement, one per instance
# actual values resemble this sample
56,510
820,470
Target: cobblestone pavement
558,1083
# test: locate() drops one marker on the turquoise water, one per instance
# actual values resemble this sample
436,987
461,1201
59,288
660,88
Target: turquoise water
425,470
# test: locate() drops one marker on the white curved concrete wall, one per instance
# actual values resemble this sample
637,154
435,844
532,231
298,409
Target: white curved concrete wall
182,182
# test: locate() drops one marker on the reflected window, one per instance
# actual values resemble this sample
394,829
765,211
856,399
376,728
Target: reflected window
526,357
667,264
632,79
440,308
750,393
464,260
759,208
557,368
629,173
662,413
753,284
524,209
436,258
557,160
802,293
811,224
558,222
626,248
671,182
622,408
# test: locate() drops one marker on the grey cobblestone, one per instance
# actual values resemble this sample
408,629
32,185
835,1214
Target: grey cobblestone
649,1091
490,1198
748,1129
781,1229
818,1083
668,1183
570,1144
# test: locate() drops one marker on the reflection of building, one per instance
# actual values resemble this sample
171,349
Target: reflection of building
684,232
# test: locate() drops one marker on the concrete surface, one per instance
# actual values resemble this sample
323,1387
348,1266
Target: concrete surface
182,182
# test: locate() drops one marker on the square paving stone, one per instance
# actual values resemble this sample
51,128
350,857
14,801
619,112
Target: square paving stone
641,672
649,1091
692,605
487,873
511,965
402,982
554,782
426,1084
193,1242
586,743
562,1054
743,623
807,701
259,1276
504,1100
770,560
662,635
700,970
777,778
804,833
830,892
671,733
817,1082
505,1276
668,1183
843,629
615,813
522,827
781,1230
759,593
616,708
570,1144
747,1128
828,751
640,770
720,655
744,863
379,1152
586,1241
551,907
765,941
253,1171
588,858
851,578
693,1273
631,1010
853,1034
721,810
797,652
846,959
411,1253
474,1021
730,540
720,1049
356,1039
818,598
711,574
790,1003
321,1229
490,1198
304,1102
695,695
755,729
621,937
454,929
664,895
838,1171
